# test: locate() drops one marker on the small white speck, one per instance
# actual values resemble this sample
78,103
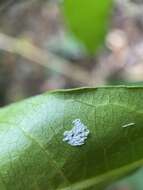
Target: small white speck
77,135
128,125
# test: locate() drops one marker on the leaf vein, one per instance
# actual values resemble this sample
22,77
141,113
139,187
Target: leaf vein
48,154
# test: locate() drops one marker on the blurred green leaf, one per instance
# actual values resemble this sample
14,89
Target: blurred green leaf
132,182
88,20
33,155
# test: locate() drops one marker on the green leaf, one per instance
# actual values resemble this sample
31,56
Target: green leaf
33,155
88,20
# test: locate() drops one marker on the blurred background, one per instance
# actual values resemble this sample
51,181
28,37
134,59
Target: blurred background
39,51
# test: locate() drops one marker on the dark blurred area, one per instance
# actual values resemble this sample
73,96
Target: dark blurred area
38,53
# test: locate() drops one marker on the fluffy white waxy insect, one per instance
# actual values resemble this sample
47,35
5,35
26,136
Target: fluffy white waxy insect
77,135
128,125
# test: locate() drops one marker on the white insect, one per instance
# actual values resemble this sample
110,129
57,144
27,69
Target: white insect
128,125
77,135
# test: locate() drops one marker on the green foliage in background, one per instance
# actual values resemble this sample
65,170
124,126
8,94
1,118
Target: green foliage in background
88,20
34,157
131,182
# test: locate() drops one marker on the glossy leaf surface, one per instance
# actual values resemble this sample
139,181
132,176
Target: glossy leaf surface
33,155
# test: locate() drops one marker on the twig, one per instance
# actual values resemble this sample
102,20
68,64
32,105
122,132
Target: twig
27,50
